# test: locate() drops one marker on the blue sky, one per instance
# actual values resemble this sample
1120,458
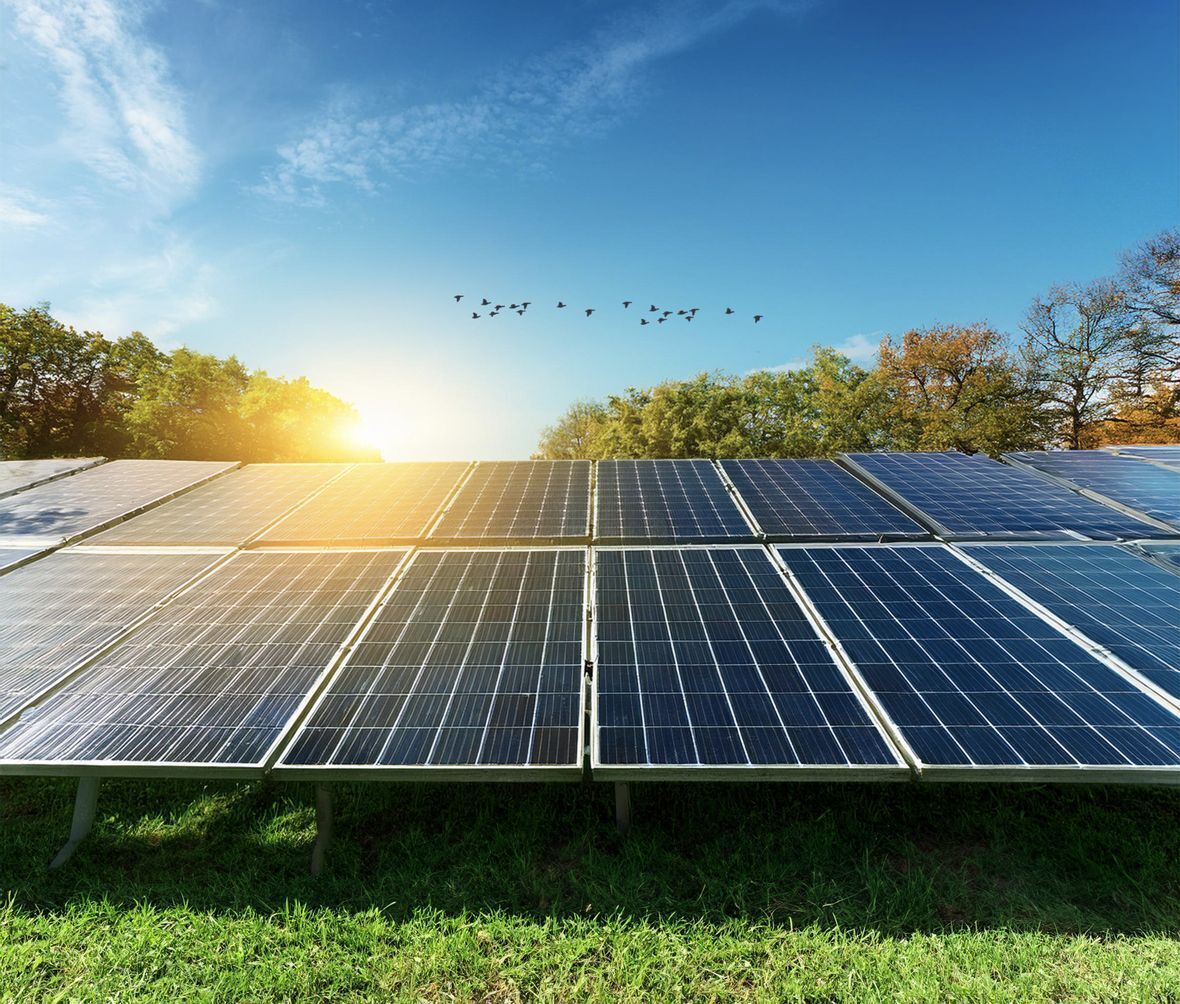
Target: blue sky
306,185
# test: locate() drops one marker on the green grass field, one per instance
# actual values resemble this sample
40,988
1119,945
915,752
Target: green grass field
472,892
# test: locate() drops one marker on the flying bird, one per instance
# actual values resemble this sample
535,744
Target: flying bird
681,313
644,320
494,313
667,313
660,320
485,302
513,306
474,316
627,303
694,311
757,318
526,304
652,307
458,297
688,317
499,306
729,310
590,310
521,311
560,304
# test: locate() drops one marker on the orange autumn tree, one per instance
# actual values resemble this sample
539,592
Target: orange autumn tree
957,387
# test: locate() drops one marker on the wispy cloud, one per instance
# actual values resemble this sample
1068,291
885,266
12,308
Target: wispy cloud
513,119
23,210
860,348
124,117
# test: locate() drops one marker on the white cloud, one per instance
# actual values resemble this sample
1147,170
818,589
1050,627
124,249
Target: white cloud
22,209
124,117
511,120
860,348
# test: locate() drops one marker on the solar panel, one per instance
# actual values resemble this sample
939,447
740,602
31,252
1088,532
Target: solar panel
1149,452
210,683
475,662
706,665
520,501
975,496
229,510
91,500
17,475
1127,481
59,611
372,503
973,679
816,499
1125,603
13,557
665,501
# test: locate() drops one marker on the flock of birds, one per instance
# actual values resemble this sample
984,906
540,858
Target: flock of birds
662,314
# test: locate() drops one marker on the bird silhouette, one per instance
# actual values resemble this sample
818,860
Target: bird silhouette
494,313
688,317
660,320
521,311
694,310
652,307
644,320
526,303
474,316
485,302
560,304
590,310
757,318
458,297
499,306
729,310
667,313
513,306
681,313
627,303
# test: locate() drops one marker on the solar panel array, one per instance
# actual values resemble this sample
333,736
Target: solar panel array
215,677
371,503
971,677
508,501
59,611
303,638
705,659
665,501
229,510
791,499
18,475
1123,602
87,501
975,496
476,660
1146,488
1149,452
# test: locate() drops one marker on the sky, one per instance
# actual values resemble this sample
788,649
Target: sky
308,185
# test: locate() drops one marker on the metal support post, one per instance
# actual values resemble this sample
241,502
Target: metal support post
622,807
84,806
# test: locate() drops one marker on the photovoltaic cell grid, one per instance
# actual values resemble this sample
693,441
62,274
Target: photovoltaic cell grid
214,678
11,557
56,612
1148,488
476,659
16,475
1169,554
817,499
1170,454
973,495
386,503
527,500
227,511
970,676
665,501
92,498
705,659
1125,603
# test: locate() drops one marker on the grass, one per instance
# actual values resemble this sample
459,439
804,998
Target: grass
189,891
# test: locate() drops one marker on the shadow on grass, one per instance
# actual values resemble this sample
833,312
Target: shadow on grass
895,859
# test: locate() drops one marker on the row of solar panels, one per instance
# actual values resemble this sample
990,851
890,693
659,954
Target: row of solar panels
1033,660
882,496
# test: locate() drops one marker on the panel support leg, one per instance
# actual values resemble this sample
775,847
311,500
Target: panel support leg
323,827
84,806
622,807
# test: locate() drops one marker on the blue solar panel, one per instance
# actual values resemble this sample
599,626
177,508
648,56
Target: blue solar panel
1166,554
793,499
705,660
975,496
971,676
665,501
475,661
1149,452
1125,603
1147,488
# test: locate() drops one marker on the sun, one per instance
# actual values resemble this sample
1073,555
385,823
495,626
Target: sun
371,433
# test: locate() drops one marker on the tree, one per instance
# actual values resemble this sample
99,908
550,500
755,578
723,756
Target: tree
1151,278
957,387
290,420
574,436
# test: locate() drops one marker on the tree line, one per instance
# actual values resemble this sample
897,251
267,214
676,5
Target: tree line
1094,363
70,393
